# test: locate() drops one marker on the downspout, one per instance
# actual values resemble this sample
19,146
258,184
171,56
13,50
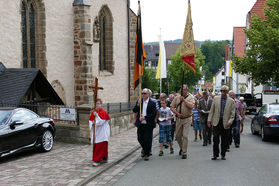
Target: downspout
129,66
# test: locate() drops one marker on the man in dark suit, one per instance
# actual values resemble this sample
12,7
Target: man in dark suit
145,122
204,108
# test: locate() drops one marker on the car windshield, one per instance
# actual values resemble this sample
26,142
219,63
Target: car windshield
4,116
274,108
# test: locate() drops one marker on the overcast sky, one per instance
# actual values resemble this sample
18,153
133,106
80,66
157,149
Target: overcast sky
212,19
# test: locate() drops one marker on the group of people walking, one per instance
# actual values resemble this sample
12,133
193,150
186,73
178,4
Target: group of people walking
222,115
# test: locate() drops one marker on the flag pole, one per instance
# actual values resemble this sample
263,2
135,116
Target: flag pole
140,68
140,89
182,81
161,66
160,85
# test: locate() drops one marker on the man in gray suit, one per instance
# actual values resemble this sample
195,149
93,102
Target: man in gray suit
221,116
204,107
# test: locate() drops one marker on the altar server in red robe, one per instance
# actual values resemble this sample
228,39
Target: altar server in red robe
99,117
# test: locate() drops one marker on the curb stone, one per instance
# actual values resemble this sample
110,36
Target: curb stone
109,165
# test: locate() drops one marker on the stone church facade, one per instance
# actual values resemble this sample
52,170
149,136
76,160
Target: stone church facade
72,42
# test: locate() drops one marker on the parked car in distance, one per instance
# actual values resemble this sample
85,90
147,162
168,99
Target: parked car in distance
252,101
22,129
266,121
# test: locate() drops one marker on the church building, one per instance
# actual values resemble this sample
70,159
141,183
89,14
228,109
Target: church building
72,42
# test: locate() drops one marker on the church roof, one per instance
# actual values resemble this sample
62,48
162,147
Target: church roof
15,83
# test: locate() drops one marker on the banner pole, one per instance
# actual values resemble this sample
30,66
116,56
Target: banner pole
140,89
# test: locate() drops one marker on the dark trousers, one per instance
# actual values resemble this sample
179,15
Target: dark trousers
206,132
220,131
236,134
229,131
145,134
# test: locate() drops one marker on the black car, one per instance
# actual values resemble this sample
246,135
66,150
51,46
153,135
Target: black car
21,129
252,101
266,121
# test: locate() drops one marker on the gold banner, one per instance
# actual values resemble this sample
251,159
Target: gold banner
188,43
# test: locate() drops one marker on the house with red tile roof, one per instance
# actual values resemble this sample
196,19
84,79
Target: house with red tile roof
258,9
239,38
239,45
270,93
239,82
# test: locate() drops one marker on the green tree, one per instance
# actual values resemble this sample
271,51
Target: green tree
262,56
174,72
149,81
214,52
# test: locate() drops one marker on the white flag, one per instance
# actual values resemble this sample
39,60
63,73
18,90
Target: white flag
161,68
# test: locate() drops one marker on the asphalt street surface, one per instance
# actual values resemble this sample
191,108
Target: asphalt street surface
255,163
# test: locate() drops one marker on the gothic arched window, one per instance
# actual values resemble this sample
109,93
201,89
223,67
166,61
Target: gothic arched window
33,34
28,34
106,40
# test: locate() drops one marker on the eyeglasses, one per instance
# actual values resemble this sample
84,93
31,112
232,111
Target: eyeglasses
223,90
143,93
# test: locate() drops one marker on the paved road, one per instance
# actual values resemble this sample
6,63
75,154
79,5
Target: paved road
255,163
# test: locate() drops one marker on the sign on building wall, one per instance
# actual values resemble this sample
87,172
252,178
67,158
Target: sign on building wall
68,114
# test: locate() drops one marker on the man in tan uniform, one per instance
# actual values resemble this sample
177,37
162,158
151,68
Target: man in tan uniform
182,106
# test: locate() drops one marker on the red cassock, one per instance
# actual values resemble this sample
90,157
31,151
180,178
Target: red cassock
102,134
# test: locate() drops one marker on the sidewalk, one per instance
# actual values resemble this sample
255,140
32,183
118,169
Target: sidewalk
65,164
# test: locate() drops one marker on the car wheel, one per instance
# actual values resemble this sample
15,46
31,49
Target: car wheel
264,137
253,129
47,141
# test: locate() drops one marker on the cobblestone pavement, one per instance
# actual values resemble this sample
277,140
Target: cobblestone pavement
112,175
65,164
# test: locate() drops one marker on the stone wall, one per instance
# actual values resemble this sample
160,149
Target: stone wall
133,28
80,133
82,53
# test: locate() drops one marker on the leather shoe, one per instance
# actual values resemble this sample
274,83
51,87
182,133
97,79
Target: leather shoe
146,158
236,146
214,158
223,158
142,153
204,144
184,156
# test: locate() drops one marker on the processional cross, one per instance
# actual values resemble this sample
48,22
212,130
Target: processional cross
95,91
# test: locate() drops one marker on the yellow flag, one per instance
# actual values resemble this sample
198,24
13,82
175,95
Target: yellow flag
161,68
230,69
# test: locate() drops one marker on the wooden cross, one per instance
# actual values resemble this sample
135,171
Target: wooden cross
95,91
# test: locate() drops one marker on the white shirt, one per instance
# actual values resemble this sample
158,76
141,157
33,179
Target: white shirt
144,107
